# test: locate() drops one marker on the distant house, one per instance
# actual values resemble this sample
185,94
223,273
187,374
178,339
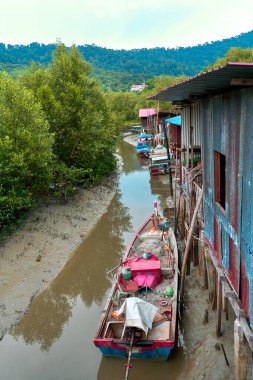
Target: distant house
151,119
138,87
148,118
217,125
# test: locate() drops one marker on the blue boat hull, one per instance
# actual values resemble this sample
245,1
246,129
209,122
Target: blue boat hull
161,353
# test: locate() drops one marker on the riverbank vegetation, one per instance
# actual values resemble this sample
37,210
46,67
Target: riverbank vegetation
56,132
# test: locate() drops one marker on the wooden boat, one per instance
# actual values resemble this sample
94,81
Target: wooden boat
158,165
143,150
140,316
159,150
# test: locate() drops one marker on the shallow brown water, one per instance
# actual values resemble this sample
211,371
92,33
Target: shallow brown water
54,340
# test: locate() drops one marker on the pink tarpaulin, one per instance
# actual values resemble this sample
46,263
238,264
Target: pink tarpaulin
145,112
146,272
144,280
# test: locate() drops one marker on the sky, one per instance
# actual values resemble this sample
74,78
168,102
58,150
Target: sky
124,24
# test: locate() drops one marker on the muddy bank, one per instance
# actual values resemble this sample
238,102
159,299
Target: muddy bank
33,256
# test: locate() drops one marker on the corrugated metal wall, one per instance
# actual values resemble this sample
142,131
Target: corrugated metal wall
227,127
191,118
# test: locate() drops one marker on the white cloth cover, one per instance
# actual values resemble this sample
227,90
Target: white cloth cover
138,313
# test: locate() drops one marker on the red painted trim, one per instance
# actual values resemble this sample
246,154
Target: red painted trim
108,342
239,64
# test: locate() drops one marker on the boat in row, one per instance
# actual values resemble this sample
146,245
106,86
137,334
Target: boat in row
158,158
140,316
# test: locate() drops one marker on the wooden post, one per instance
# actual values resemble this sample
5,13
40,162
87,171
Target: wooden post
214,300
202,260
240,352
175,194
188,266
169,162
219,307
177,214
225,304
182,217
226,308
188,244
195,250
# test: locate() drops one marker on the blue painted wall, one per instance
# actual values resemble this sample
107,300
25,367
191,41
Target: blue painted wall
227,127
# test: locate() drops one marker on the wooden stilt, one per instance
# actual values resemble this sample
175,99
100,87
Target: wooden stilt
226,308
240,352
225,304
177,213
202,261
175,192
210,277
204,270
219,307
182,218
195,251
188,244
188,266
214,300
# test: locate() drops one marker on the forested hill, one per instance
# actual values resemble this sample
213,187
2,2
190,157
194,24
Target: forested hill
136,64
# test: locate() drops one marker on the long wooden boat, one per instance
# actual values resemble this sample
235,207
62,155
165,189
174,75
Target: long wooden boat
140,315
158,165
143,150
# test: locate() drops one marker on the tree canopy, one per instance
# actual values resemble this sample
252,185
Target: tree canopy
234,54
57,130
117,70
77,112
25,150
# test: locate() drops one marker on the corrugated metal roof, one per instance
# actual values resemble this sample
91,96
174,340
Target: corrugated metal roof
209,83
174,120
145,112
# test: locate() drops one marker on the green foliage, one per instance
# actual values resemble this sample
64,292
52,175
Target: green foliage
117,81
25,150
118,69
77,112
154,86
157,84
124,104
235,54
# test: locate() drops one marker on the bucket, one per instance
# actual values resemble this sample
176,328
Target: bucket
126,273
146,255
169,292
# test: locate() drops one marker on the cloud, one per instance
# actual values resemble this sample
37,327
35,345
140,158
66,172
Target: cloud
123,23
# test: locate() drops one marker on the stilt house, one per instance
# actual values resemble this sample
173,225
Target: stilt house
148,118
217,147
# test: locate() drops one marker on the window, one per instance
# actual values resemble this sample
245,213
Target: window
220,178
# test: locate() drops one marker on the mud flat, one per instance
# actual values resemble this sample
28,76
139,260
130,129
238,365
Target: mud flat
35,254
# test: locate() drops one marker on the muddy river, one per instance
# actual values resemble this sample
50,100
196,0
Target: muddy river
54,339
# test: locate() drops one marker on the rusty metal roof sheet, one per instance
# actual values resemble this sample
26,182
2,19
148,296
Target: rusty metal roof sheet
211,82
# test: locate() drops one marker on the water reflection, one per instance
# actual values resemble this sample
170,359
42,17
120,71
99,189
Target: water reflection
159,185
84,275
132,161
114,368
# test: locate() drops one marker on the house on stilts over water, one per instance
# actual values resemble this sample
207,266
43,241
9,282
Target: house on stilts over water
216,190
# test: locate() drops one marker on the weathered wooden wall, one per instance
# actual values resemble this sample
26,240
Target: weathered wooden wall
227,127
